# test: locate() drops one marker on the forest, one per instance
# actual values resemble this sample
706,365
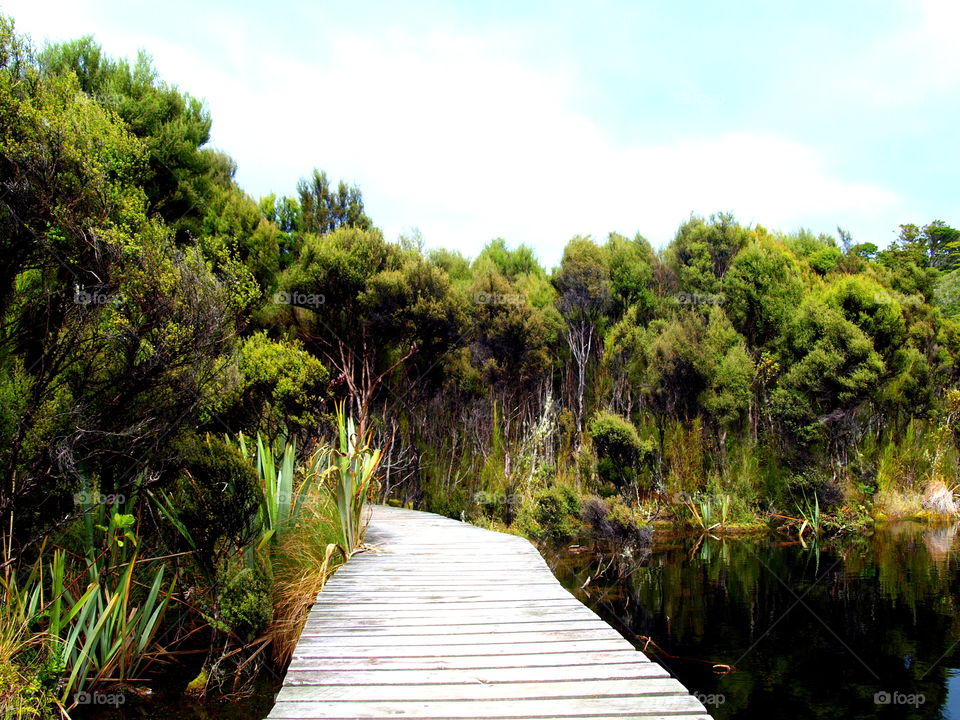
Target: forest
188,376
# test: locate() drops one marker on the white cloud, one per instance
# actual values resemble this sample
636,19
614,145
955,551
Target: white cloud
447,133
917,61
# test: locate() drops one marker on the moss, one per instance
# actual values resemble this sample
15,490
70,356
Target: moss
198,685
23,693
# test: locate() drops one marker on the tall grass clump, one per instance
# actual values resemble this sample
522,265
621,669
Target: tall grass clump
74,622
105,620
914,469
28,663
323,526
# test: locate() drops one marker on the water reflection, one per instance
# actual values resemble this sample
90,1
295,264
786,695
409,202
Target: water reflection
852,628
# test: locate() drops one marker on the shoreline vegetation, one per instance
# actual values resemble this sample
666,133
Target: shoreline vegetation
199,389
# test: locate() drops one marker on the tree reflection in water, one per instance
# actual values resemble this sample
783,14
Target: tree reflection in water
813,631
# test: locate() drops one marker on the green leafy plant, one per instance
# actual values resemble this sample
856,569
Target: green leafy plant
350,470
106,628
810,515
283,499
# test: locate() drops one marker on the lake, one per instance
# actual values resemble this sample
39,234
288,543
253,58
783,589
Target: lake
858,627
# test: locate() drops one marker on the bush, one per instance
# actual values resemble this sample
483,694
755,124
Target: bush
216,495
552,513
246,603
618,446
449,503
616,521
279,388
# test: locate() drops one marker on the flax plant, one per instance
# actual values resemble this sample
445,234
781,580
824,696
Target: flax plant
351,467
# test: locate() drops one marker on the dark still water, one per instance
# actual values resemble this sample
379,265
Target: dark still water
864,627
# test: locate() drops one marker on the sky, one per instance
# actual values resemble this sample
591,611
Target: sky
539,121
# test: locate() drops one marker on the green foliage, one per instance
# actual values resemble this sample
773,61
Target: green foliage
281,497
323,210
583,281
946,294
729,373
214,499
172,125
245,602
551,513
511,263
631,264
833,370
614,519
512,340
350,469
762,290
280,386
702,251
936,245
619,449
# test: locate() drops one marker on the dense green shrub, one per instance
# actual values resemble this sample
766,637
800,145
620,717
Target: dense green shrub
216,495
552,513
281,387
246,603
618,446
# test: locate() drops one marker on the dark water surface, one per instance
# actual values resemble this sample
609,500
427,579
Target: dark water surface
865,627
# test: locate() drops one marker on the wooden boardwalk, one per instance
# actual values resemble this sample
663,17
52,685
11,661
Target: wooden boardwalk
446,620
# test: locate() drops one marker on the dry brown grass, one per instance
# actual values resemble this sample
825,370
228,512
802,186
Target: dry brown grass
304,562
938,499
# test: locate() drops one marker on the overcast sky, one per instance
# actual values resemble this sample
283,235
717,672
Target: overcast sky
538,121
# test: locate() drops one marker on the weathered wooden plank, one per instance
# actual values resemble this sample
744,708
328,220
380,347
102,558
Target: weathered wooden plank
485,691
435,595
310,647
465,606
448,578
467,662
314,639
450,676
384,628
450,616
635,706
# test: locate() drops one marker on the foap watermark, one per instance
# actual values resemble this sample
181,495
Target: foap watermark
300,299
711,699
95,698
496,298
86,497
85,297
492,498
684,498
885,697
700,298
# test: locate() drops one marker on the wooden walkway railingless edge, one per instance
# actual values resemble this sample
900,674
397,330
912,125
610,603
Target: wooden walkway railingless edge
446,620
